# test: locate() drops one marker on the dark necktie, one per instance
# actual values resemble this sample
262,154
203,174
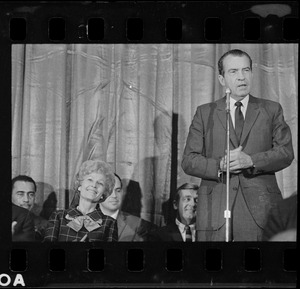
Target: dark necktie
239,120
188,234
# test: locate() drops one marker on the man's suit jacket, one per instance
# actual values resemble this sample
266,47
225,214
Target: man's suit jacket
266,138
132,228
169,233
24,229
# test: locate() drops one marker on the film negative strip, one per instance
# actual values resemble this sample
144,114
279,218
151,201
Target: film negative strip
38,37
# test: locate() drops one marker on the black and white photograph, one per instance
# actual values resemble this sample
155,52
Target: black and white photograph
128,142
149,144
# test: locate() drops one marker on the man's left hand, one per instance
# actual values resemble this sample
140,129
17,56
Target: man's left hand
239,160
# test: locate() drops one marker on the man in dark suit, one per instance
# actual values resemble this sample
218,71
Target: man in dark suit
183,227
260,145
23,195
130,228
22,225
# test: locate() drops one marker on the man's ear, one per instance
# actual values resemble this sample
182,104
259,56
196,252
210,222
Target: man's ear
221,79
79,188
175,205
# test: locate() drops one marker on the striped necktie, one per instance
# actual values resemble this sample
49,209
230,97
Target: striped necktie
188,234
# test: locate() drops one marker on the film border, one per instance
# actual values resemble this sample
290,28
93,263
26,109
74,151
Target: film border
193,273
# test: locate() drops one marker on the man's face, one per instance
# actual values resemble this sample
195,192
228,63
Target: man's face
237,76
114,201
186,207
23,194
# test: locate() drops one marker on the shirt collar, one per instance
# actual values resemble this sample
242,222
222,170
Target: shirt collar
182,226
96,215
244,101
73,212
115,214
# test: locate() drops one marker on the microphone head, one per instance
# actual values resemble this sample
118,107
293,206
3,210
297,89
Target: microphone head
227,90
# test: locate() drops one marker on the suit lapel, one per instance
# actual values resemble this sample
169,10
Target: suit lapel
251,116
221,112
175,233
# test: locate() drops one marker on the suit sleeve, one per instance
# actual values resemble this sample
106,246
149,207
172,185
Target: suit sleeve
25,231
143,229
281,154
194,161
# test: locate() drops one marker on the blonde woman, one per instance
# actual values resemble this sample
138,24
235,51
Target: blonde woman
85,222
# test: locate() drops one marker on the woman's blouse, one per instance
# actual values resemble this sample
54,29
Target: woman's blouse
71,225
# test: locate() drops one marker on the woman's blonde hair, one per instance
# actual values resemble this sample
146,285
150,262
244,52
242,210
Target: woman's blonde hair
96,166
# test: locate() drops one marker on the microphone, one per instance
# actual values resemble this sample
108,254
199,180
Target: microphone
227,91
227,213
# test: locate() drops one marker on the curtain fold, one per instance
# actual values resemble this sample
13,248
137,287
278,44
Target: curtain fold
130,105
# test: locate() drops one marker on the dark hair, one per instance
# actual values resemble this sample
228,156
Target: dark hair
22,178
186,186
119,179
235,52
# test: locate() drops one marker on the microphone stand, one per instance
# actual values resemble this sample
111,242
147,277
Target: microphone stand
227,213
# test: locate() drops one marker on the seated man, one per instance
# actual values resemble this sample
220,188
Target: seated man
23,195
183,227
22,227
130,228
282,221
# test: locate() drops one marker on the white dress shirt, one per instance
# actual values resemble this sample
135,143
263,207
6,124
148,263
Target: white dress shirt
115,214
181,228
232,101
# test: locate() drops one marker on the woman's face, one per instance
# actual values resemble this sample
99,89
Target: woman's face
92,187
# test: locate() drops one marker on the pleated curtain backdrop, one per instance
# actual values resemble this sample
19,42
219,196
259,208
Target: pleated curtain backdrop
130,105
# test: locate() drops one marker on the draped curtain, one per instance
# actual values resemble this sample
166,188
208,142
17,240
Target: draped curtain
130,105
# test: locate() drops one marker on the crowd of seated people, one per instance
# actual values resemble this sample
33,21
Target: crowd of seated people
96,213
